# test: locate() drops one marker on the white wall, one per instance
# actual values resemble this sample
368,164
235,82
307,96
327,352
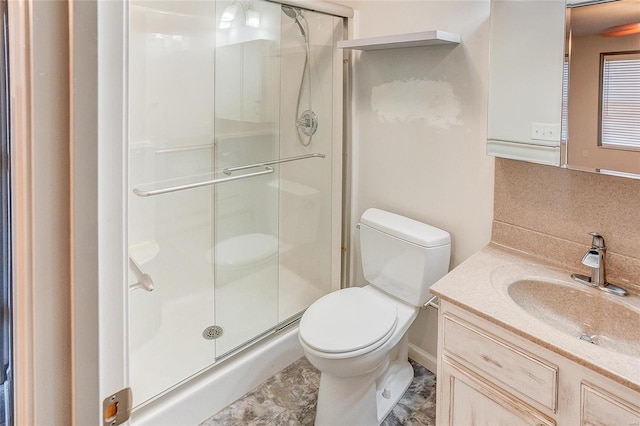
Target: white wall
420,128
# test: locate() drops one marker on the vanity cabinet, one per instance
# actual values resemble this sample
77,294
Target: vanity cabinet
490,376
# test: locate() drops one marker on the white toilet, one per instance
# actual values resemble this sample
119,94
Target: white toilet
357,337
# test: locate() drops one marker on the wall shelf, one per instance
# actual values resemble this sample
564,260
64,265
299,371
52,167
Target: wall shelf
424,38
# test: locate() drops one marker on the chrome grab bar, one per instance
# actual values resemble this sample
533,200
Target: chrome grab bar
141,193
144,280
228,170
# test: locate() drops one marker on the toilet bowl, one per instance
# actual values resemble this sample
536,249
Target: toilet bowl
357,337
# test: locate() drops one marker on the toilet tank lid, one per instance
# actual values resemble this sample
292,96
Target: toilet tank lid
405,228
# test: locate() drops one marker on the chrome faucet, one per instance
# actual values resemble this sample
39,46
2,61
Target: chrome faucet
595,259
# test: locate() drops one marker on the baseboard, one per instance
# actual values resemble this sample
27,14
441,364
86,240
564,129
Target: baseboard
423,358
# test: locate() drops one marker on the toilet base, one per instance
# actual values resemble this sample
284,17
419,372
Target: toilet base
364,400
389,393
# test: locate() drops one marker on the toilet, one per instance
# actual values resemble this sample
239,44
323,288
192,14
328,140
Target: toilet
357,336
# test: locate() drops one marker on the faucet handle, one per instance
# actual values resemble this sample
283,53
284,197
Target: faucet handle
597,241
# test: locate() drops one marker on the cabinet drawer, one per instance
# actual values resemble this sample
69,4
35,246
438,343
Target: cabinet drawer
599,407
517,371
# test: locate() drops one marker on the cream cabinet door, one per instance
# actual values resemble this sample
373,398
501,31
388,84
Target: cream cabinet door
473,401
600,408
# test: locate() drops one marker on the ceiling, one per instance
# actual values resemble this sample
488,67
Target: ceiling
595,18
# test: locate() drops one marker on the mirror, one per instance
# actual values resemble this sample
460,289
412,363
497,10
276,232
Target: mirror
603,91
564,84
525,80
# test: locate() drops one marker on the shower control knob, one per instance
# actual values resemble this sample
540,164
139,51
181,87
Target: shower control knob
308,123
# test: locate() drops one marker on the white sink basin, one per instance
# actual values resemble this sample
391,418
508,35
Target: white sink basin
587,313
553,298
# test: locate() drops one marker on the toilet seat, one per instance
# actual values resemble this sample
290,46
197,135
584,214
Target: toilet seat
347,321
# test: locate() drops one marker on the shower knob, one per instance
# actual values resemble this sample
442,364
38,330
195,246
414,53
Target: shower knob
308,123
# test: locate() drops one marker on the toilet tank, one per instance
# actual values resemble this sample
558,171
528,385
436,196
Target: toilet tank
401,256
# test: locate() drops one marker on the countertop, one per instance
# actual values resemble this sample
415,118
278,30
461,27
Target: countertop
478,286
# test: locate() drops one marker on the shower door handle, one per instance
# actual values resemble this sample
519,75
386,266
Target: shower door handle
140,192
229,170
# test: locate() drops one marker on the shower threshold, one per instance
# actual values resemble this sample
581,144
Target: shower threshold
192,401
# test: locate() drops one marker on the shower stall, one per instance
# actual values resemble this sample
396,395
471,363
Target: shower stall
234,179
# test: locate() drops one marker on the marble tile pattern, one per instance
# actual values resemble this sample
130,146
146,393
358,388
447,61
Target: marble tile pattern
548,211
289,398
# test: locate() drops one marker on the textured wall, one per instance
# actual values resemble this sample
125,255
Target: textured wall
548,211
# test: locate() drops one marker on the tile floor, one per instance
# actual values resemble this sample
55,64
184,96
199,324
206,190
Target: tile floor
289,398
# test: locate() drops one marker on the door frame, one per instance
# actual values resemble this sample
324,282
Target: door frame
39,93
98,36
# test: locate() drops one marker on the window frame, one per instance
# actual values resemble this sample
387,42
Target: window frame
603,57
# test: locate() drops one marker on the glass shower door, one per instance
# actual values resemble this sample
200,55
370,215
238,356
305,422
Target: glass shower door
247,103
233,228
309,131
274,111
171,218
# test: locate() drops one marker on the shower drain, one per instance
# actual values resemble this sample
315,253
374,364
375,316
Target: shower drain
212,332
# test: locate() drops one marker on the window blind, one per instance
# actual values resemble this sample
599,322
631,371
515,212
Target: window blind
620,103
564,124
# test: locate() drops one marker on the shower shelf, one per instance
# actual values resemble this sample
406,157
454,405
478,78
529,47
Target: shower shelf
394,41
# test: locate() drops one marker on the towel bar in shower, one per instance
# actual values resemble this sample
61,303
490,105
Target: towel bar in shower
228,170
144,280
142,193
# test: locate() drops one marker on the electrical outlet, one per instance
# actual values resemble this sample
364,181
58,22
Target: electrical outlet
537,131
545,132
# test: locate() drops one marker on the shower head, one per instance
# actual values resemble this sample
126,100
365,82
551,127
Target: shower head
296,14
291,12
